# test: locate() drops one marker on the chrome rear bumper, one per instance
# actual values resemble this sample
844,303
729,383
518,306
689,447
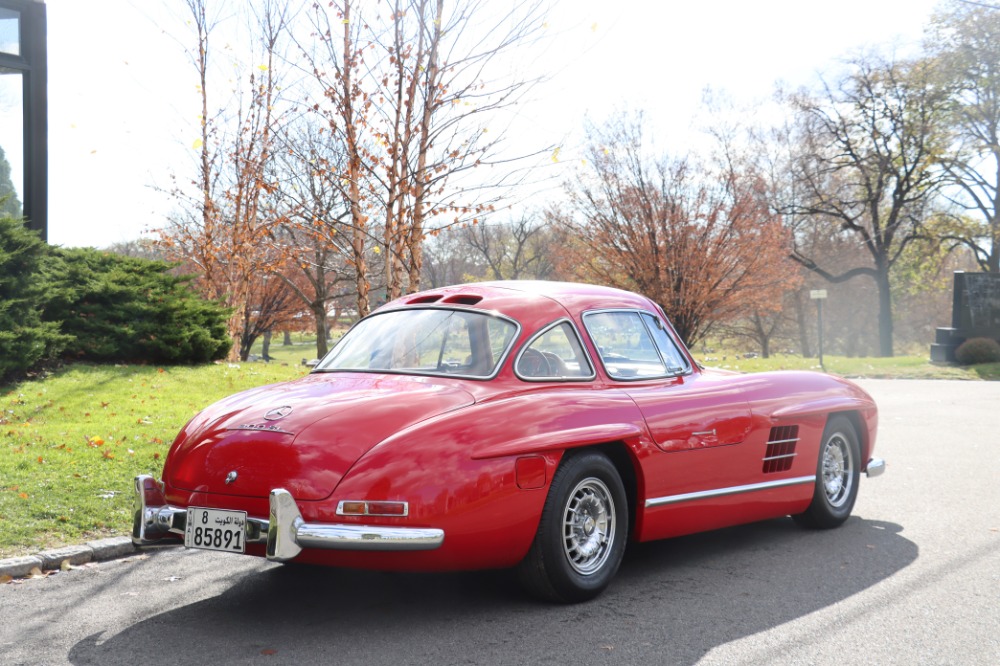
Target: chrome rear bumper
874,467
284,532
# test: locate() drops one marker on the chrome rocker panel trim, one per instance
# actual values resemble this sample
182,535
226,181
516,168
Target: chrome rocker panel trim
734,490
285,532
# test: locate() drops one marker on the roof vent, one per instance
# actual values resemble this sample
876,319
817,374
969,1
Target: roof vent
463,299
430,298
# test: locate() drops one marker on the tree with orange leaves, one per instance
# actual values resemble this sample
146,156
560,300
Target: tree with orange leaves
702,244
408,88
225,227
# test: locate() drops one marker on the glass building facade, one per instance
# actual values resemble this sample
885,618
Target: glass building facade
24,112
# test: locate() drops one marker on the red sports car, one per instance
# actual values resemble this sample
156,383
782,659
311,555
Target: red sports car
535,425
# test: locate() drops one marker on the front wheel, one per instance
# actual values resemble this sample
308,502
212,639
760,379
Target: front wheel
837,473
581,536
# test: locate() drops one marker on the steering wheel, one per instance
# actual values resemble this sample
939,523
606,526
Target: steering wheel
534,364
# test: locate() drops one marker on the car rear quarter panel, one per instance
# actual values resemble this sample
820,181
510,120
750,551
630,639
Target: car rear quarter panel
458,472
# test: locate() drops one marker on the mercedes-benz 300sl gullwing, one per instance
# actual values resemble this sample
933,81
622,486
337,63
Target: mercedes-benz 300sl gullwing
538,426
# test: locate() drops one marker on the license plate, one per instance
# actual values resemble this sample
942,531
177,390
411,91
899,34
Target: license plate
215,529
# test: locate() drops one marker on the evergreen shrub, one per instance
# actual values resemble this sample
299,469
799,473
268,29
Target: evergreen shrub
978,350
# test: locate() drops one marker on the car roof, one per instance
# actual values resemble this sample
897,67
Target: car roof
517,298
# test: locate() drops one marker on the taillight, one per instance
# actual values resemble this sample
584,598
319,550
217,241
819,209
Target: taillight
374,508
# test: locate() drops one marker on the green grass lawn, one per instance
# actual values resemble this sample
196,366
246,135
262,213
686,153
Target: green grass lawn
71,443
899,367
303,347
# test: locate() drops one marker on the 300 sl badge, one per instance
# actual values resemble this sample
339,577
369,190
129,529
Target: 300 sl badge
260,426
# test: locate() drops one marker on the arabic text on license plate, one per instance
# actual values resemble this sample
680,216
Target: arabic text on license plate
215,529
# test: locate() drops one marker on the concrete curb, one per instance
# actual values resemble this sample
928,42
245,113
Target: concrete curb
47,560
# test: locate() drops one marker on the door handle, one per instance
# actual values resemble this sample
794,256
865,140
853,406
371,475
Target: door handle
704,433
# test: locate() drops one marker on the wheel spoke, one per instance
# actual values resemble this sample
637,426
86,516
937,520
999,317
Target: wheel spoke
837,470
588,526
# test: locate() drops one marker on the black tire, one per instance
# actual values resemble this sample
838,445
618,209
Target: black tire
573,561
838,472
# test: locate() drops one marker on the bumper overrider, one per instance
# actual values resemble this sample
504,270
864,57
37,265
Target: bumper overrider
875,467
284,531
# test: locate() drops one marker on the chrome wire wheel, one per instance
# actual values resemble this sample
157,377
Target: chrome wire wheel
837,470
588,526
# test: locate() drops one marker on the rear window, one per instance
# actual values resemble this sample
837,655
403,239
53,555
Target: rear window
425,341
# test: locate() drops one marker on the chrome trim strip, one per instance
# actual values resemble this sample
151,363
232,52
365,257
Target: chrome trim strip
787,455
259,427
875,467
734,490
782,441
366,537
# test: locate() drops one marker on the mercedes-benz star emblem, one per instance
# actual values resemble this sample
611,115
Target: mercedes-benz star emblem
230,477
278,413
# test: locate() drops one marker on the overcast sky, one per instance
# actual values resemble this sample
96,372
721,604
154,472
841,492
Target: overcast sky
123,105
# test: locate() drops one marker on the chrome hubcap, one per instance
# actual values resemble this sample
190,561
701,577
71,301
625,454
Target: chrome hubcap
588,526
837,470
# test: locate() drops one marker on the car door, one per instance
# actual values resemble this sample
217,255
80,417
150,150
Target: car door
699,423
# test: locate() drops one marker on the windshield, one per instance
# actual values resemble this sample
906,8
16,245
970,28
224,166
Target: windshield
428,341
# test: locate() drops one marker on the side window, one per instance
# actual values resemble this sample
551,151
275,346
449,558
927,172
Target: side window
676,363
625,345
556,353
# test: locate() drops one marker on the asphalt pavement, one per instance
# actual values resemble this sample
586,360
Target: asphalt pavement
912,578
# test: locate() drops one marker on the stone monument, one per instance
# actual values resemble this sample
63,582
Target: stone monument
975,313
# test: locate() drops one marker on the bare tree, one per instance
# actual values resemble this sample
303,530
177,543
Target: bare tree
314,230
701,243
408,88
516,250
225,229
865,166
965,39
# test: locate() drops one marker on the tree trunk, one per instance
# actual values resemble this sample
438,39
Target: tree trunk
800,318
993,260
286,341
265,346
884,313
319,314
240,350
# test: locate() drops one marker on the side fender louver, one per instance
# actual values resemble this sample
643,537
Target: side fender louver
780,449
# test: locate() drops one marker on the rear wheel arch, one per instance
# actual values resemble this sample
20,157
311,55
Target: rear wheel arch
623,458
584,525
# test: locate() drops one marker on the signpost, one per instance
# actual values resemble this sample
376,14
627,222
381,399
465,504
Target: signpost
818,295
